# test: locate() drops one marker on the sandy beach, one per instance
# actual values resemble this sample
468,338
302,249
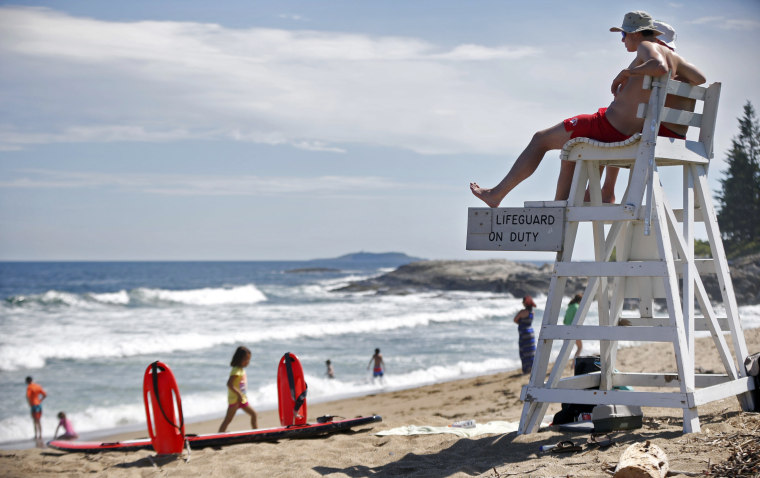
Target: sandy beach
487,398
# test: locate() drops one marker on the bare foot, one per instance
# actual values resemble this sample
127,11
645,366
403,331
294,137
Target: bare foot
485,195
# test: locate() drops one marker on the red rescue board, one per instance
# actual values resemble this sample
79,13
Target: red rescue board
291,391
221,439
166,424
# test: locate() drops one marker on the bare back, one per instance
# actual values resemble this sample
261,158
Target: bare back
622,111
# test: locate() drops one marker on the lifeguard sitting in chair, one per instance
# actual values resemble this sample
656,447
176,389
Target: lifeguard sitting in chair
615,123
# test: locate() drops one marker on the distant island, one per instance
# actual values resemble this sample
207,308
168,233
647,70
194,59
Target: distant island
311,270
355,260
366,259
373,257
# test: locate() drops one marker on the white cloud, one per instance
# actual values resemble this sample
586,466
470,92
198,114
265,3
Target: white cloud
205,185
317,146
741,24
73,79
168,81
294,17
706,20
94,134
723,23
478,52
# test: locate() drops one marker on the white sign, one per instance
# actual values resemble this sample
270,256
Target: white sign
515,229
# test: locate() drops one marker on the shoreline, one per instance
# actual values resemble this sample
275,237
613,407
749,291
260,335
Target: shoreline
139,430
486,398
373,404
268,416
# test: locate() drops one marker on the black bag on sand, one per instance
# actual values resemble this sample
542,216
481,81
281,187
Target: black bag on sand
570,411
752,365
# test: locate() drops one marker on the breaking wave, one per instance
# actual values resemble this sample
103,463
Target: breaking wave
142,297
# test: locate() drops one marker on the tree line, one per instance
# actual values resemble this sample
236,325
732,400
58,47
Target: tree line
738,200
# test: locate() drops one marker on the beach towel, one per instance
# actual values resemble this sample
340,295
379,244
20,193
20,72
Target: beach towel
493,428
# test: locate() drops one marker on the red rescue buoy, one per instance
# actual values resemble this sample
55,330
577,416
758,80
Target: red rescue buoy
166,424
291,391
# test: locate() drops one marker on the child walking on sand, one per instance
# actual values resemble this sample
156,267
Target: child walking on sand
68,429
236,385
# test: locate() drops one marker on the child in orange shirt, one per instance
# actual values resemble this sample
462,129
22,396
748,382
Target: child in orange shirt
34,396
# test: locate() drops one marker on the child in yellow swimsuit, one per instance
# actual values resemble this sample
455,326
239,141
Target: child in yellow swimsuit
236,385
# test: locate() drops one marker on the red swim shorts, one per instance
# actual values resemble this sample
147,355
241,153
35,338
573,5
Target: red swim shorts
238,405
669,133
596,126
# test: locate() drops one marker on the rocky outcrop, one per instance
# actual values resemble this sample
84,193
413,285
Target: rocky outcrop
494,275
521,279
745,276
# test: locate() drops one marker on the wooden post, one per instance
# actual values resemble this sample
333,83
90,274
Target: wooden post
642,460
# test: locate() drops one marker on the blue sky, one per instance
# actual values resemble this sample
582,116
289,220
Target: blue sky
238,130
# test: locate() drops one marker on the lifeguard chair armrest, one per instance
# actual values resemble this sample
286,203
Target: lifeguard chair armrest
568,146
670,151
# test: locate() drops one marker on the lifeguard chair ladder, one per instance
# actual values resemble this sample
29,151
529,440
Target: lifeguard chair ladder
654,249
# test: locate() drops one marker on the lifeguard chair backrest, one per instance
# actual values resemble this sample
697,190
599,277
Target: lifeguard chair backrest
652,111
705,120
641,171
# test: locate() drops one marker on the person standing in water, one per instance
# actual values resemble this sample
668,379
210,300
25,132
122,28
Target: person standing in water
35,394
378,370
527,339
572,309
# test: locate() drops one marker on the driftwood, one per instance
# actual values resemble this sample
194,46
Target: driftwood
642,460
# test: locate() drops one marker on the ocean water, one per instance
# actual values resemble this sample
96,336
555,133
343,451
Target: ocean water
87,331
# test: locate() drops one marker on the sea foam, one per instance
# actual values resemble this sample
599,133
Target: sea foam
245,294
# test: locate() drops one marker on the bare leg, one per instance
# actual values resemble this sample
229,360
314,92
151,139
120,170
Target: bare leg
608,189
565,180
38,433
227,418
254,417
525,165
579,345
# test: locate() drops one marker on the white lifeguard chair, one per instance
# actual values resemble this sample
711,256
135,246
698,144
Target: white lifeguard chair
654,259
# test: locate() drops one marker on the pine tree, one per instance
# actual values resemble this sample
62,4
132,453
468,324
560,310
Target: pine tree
739,198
